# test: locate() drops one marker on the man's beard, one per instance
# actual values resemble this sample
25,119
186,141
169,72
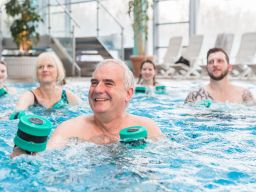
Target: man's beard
218,78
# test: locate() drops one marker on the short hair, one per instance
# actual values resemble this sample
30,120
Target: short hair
56,61
129,81
216,49
3,63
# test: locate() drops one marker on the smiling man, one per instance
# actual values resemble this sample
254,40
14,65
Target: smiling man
112,87
220,89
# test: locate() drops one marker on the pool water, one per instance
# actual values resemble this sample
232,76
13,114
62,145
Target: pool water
205,149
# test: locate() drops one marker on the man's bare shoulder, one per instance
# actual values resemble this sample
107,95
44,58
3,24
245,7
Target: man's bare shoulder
245,94
80,120
140,119
72,128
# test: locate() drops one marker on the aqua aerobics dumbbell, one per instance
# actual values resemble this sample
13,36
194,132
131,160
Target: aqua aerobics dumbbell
17,115
134,136
3,91
32,133
206,102
160,89
140,89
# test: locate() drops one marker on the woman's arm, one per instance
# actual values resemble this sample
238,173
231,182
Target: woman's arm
26,100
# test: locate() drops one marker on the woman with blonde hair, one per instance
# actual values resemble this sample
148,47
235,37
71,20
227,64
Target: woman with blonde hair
50,74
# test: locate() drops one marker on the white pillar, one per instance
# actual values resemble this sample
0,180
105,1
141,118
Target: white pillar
193,16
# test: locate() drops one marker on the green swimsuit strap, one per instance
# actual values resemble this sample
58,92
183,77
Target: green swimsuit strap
64,96
62,102
3,91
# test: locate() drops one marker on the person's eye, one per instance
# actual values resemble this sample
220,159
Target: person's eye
109,84
210,62
94,83
220,61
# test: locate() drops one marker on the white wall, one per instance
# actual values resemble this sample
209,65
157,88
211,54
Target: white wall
230,16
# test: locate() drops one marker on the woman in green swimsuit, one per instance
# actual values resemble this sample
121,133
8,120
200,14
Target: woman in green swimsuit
4,90
50,95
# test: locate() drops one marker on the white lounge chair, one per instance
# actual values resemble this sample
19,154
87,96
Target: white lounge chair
191,53
225,41
171,55
245,58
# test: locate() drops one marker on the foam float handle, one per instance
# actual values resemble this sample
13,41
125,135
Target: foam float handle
17,115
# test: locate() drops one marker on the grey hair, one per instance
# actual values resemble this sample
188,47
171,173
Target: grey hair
129,81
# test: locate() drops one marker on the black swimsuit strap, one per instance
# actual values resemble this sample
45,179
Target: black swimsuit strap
35,99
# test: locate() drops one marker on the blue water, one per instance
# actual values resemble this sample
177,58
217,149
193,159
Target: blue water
205,149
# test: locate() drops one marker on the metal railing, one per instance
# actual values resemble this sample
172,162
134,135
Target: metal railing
100,31
73,39
116,21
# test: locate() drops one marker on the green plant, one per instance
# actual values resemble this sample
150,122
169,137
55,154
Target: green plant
139,10
26,20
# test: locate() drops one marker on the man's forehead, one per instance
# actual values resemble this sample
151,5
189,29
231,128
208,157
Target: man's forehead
109,71
218,54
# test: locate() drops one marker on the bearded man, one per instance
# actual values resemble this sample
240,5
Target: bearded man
220,89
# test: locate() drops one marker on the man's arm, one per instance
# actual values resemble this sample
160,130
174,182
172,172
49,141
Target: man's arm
60,135
154,131
72,128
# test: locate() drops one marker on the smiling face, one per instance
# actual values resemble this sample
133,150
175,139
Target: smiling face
148,71
47,71
3,73
217,66
107,93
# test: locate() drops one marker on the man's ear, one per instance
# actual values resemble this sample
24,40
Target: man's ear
130,93
230,67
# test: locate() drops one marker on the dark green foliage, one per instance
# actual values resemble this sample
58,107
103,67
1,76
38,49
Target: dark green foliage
26,20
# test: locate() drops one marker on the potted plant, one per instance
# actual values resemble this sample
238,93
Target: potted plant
24,27
138,9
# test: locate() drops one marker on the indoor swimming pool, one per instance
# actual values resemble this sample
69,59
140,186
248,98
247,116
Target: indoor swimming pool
205,149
